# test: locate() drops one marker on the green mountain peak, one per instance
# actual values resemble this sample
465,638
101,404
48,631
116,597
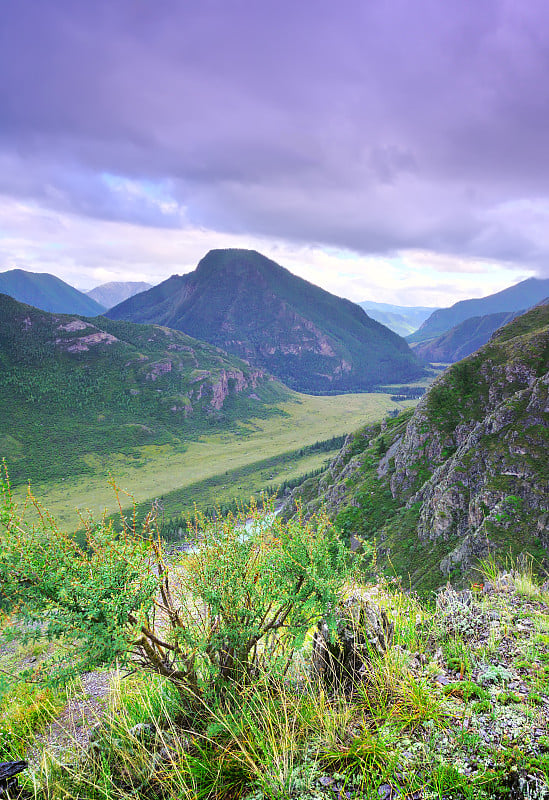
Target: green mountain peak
251,306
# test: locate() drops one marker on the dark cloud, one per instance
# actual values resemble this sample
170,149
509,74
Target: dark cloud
370,125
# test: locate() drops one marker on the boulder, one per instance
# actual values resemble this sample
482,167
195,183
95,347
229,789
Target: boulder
8,776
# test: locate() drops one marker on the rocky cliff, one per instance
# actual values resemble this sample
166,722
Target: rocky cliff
463,477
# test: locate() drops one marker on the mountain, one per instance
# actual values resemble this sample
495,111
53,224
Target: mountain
461,478
73,389
400,319
515,298
464,339
110,294
47,292
249,305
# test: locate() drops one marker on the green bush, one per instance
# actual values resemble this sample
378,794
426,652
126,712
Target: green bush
241,601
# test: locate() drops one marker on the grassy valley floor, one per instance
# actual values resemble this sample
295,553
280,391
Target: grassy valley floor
154,471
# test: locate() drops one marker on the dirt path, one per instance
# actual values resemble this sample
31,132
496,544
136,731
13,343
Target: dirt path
71,728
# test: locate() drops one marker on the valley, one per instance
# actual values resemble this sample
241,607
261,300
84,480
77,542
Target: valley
88,405
155,470
439,480
85,401
274,401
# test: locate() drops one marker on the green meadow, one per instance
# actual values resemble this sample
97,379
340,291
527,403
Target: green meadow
166,470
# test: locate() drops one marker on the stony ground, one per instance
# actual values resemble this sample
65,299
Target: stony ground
488,657
72,727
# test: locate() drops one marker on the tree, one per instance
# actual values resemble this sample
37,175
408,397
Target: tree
381,448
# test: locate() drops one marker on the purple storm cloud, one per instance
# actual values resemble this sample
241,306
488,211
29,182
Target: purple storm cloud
375,125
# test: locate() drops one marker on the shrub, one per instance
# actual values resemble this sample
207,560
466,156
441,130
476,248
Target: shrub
245,596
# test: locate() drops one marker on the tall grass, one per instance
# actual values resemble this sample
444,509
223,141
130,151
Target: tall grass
513,572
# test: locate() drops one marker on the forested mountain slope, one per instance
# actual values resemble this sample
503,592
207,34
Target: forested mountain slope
73,388
249,305
515,298
464,339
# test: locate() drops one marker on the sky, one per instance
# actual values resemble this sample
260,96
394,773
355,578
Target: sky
383,149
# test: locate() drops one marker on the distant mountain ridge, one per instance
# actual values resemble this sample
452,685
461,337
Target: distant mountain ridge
248,305
403,320
41,290
515,298
463,339
115,292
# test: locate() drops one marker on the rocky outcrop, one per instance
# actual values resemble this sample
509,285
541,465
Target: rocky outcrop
233,380
158,369
75,325
216,387
475,460
82,344
466,476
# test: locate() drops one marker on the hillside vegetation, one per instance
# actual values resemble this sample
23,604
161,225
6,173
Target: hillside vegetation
262,666
249,305
462,477
72,387
168,416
